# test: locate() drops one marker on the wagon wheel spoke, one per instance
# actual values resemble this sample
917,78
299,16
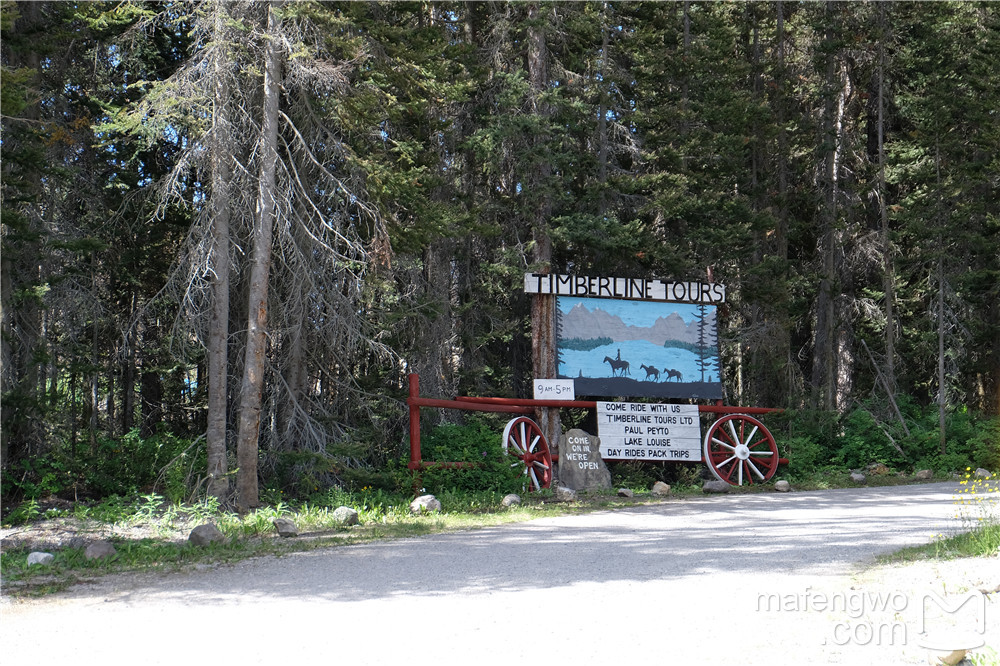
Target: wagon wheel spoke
723,444
512,442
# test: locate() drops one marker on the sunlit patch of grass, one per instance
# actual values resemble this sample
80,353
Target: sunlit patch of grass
979,531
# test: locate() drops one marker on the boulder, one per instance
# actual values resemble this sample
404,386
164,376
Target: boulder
924,475
206,534
564,494
580,464
876,469
660,489
858,477
782,486
625,492
715,487
345,515
513,499
99,549
425,504
981,473
43,559
285,527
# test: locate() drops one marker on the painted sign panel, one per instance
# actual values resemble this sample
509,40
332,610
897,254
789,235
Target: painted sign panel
638,431
614,347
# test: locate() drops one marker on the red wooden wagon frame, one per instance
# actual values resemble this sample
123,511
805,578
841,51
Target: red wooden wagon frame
737,448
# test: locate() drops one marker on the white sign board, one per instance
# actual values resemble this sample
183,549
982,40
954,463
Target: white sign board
639,431
554,389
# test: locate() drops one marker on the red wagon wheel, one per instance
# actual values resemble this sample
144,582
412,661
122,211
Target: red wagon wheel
738,449
523,438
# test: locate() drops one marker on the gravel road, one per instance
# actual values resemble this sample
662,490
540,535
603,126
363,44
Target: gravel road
736,579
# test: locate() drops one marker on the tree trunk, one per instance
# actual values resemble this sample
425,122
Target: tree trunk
942,397
218,333
21,342
888,280
251,388
543,333
150,382
128,373
823,376
783,342
602,116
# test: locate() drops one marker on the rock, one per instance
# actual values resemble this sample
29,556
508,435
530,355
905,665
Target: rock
99,549
345,515
285,527
782,486
425,504
513,499
43,559
660,489
858,477
580,464
564,494
924,475
981,473
206,534
715,487
625,492
877,469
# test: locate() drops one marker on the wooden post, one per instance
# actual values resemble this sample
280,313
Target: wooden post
544,363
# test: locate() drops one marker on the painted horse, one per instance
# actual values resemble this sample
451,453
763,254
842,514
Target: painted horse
618,368
671,373
651,372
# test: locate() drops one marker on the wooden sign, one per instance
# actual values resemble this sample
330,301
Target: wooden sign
640,431
628,288
554,389
634,337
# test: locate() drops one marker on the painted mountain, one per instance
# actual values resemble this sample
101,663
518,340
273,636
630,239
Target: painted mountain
584,324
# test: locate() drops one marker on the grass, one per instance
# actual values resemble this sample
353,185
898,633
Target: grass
976,508
150,534
164,527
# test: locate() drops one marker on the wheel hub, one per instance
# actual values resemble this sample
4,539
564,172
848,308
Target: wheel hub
742,451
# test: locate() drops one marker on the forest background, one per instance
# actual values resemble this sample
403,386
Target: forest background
231,229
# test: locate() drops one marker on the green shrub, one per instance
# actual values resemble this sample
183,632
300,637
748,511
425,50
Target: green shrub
971,439
632,474
985,445
805,456
127,465
477,442
863,442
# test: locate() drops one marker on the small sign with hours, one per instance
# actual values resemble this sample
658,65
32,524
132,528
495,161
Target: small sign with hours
554,389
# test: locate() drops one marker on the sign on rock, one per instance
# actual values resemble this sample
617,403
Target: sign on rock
580,463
